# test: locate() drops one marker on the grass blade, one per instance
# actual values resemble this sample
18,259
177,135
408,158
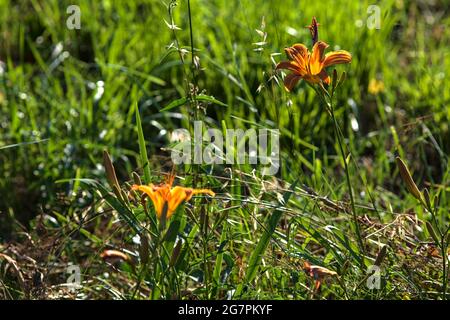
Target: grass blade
142,147
261,247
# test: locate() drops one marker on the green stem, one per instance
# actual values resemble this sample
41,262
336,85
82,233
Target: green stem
347,174
194,76
177,45
204,227
191,35
444,269
194,89
156,292
442,246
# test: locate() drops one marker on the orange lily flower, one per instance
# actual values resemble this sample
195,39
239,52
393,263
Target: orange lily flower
167,199
310,66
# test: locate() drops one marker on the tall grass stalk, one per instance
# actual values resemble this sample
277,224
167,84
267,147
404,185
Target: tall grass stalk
347,176
328,100
142,147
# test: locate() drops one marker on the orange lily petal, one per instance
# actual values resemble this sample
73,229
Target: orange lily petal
299,52
323,75
310,66
154,193
205,191
165,198
301,49
111,254
290,65
291,80
177,196
337,57
317,57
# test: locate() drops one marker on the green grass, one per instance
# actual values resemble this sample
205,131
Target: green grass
121,84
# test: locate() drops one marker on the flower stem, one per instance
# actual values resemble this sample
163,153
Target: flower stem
194,76
192,94
442,245
347,174
444,269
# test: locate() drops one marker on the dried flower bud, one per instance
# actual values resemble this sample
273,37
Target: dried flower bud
110,172
407,178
